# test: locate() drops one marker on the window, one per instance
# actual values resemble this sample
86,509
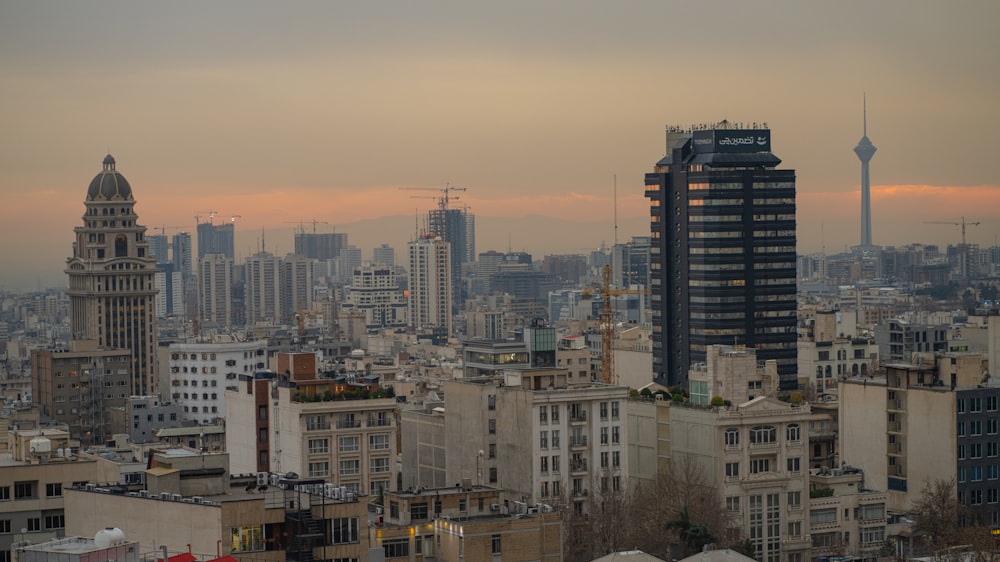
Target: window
318,446
604,459
55,521
795,528
492,427
380,465
543,439
555,414
555,438
491,402
869,512
318,469
418,511
493,450
493,475
615,435
495,545
794,432
544,464
760,465
4,493
732,470
762,434
991,426
24,490
961,429
604,410
396,548
733,504
976,450
53,490
344,530
4,526
794,464
732,437
976,404
604,436
543,414
350,444
614,410
555,463
34,524
819,516
616,459
378,442
349,467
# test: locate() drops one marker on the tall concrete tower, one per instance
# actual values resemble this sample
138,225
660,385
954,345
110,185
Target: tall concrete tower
865,150
111,278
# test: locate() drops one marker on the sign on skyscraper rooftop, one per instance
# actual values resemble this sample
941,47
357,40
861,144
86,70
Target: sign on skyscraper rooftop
732,140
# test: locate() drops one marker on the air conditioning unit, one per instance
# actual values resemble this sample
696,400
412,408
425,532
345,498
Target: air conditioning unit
133,495
494,507
196,499
188,500
164,495
261,478
532,510
143,494
176,497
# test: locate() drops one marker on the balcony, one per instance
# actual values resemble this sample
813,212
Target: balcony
580,493
578,465
348,424
579,416
578,442
374,421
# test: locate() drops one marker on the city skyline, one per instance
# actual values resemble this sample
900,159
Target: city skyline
324,111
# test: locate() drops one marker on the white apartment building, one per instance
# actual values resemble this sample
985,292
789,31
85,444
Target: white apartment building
296,290
430,284
201,372
375,292
568,441
263,282
350,443
215,281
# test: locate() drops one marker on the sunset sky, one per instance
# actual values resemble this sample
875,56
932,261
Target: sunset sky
286,112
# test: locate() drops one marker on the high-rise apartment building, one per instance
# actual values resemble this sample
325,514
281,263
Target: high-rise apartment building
111,277
451,225
215,281
296,286
183,255
263,279
216,239
384,254
320,246
723,250
430,283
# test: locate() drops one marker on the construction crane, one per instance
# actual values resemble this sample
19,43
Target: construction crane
608,373
302,224
211,216
233,218
445,198
163,228
963,223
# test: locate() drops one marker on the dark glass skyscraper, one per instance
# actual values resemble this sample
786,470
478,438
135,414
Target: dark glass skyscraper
723,250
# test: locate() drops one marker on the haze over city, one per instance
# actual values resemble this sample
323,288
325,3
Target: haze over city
282,114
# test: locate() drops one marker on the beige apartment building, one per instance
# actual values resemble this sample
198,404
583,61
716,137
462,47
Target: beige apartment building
756,453
263,518
846,518
34,475
465,522
536,436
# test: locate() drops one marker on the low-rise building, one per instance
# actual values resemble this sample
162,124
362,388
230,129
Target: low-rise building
465,522
845,517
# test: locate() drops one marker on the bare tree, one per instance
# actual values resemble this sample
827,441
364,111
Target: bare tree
938,514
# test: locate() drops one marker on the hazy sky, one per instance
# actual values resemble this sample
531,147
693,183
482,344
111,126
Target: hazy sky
282,112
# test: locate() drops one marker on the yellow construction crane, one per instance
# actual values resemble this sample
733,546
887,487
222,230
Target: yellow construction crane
445,198
963,223
302,224
608,373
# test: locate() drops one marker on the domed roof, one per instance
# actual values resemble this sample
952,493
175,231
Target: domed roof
109,185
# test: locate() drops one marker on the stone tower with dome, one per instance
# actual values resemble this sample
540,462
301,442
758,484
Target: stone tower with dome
111,278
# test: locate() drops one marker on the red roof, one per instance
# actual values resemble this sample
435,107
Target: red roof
226,558
182,557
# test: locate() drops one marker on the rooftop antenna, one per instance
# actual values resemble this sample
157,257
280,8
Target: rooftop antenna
509,250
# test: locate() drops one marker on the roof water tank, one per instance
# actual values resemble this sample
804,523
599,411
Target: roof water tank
40,445
108,536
